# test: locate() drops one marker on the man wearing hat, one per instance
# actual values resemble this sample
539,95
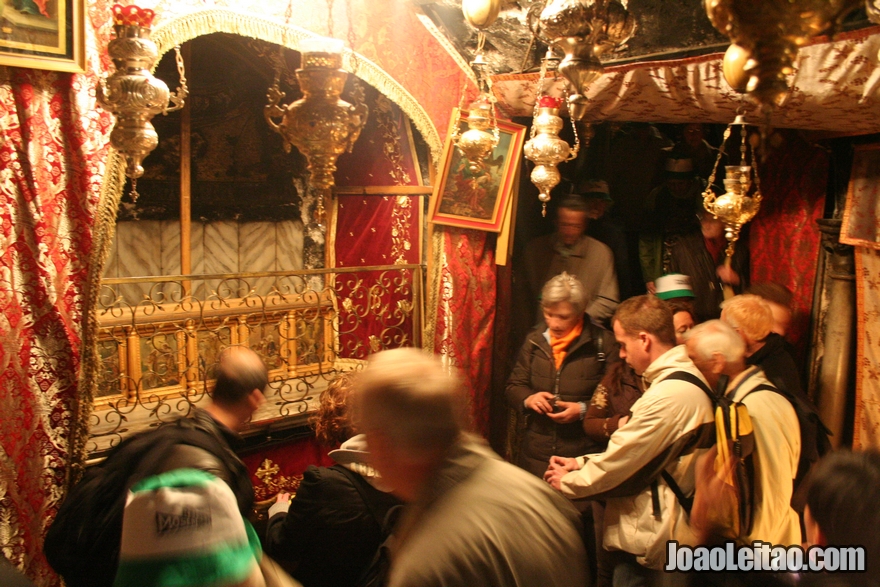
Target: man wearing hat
182,528
571,251
673,206
700,254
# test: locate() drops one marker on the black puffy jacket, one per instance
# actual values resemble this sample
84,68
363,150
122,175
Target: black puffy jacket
575,381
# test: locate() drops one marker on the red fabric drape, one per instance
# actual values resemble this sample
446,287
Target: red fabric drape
784,238
376,230
51,149
465,321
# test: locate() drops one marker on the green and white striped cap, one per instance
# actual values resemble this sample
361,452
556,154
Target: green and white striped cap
674,285
183,529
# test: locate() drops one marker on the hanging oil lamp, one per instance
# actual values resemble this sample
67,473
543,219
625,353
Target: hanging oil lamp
482,135
132,93
320,125
740,202
766,36
545,149
584,30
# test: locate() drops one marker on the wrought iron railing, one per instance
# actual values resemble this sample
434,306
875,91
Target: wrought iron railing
159,338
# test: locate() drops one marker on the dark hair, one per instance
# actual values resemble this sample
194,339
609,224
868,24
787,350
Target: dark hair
843,497
238,372
649,314
677,305
772,292
331,422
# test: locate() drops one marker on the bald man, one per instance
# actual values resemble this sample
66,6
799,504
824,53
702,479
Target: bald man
211,432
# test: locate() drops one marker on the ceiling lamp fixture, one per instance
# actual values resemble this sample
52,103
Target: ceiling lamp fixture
584,30
482,135
132,93
742,196
765,39
320,124
544,148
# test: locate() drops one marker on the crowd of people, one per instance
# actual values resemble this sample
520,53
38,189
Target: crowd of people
619,454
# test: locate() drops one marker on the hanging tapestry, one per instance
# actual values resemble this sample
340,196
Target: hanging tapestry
784,238
866,433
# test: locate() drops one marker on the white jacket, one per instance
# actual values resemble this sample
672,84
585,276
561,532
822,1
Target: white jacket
668,415
777,451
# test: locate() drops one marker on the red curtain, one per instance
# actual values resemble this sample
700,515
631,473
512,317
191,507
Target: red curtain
52,149
784,240
465,312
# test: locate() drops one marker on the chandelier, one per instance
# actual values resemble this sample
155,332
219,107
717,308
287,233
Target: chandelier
583,30
482,135
320,125
545,148
765,38
739,203
132,93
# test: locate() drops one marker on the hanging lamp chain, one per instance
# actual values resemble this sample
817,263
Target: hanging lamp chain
353,60
330,18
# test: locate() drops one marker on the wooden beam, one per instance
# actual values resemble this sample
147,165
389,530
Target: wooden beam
186,181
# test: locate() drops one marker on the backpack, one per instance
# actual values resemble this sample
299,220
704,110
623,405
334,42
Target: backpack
732,510
815,441
82,544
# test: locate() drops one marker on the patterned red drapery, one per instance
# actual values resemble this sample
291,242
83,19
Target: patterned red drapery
53,153
52,150
465,311
784,238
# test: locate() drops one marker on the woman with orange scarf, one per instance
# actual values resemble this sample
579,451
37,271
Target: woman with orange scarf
558,369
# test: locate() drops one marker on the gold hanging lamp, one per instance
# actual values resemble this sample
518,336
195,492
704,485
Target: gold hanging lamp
320,125
584,30
741,199
545,148
765,39
482,134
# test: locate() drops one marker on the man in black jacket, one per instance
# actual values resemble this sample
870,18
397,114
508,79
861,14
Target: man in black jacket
82,544
241,378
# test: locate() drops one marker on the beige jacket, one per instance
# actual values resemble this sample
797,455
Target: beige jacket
669,416
777,451
483,522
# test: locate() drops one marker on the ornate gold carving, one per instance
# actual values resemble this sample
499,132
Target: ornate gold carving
401,220
766,36
272,483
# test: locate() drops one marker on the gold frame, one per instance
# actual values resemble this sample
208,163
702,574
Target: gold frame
67,55
508,154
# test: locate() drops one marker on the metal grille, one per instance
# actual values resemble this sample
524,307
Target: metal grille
159,338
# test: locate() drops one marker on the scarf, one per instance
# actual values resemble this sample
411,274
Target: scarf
559,345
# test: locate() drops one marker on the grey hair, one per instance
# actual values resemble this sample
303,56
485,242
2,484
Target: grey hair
564,288
714,336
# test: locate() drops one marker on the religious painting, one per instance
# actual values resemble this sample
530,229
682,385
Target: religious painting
861,217
476,194
43,34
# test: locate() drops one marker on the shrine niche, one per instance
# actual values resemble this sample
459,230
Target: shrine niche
258,268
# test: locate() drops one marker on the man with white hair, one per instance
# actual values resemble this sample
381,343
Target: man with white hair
718,351
472,518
